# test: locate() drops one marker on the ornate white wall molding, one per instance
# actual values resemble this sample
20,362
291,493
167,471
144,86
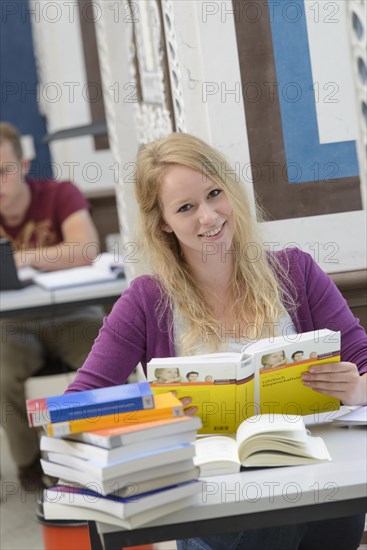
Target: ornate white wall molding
114,31
357,31
63,95
149,70
174,65
109,91
152,122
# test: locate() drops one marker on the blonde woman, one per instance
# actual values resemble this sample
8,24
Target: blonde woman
272,360
213,286
167,375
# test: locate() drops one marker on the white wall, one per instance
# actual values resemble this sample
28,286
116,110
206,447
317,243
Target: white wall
203,52
336,241
65,97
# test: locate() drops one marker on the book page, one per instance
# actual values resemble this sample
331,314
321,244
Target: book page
269,424
216,449
84,275
316,451
27,273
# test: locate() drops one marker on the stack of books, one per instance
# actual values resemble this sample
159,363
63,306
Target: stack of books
121,455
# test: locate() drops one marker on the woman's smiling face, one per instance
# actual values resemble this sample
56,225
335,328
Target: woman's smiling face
169,374
275,358
196,211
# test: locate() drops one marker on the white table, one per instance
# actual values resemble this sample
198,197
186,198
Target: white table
265,497
34,299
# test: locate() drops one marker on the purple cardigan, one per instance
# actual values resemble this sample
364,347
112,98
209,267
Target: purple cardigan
139,326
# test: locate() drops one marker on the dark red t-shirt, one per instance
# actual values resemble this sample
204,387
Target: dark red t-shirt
51,204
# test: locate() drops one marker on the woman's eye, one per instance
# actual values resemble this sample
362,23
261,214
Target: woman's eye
214,193
184,208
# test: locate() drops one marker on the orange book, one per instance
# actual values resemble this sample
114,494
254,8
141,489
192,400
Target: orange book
126,435
166,406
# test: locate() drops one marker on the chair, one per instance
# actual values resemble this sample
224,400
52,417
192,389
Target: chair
52,379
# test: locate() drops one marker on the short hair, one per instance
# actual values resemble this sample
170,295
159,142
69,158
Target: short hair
8,132
191,372
159,370
295,353
266,357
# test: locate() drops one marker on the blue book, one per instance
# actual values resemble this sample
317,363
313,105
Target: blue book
90,403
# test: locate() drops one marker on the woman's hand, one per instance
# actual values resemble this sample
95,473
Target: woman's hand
340,380
189,411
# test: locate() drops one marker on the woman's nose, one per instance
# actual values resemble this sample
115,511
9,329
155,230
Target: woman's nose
207,214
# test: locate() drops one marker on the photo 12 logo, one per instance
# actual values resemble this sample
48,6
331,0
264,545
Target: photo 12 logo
70,11
252,12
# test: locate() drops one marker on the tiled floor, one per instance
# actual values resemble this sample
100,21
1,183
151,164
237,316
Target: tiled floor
18,527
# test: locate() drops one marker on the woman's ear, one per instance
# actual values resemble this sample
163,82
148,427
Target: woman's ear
166,228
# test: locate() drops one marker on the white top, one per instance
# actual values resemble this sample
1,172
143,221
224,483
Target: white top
284,327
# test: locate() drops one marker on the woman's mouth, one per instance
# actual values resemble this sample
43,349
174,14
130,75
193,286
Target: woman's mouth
217,231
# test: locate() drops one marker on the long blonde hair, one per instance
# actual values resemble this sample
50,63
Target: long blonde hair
254,287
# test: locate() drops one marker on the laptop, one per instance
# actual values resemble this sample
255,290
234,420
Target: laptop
9,279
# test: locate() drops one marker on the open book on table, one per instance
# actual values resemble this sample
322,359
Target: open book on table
106,267
263,440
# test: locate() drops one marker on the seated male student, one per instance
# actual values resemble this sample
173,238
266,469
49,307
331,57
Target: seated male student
50,228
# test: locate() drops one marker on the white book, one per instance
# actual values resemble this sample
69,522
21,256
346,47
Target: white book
130,434
159,483
132,488
106,267
56,511
121,481
120,507
357,417
129,465
64,278
108,456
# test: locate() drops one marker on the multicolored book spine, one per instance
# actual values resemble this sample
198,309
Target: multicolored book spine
99,402
166,406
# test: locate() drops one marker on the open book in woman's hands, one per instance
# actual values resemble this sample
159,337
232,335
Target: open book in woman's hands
262,440
266,376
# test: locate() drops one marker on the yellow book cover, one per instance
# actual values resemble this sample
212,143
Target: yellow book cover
265,377
218,384
278,374
166,406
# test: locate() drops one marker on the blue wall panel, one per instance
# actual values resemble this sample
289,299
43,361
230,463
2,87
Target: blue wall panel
297,102
19,102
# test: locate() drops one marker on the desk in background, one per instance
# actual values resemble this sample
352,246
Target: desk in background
34,300
264,497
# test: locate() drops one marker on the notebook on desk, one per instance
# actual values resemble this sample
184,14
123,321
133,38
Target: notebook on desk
9,279
77,276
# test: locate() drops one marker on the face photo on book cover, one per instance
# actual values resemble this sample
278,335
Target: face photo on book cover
205,374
